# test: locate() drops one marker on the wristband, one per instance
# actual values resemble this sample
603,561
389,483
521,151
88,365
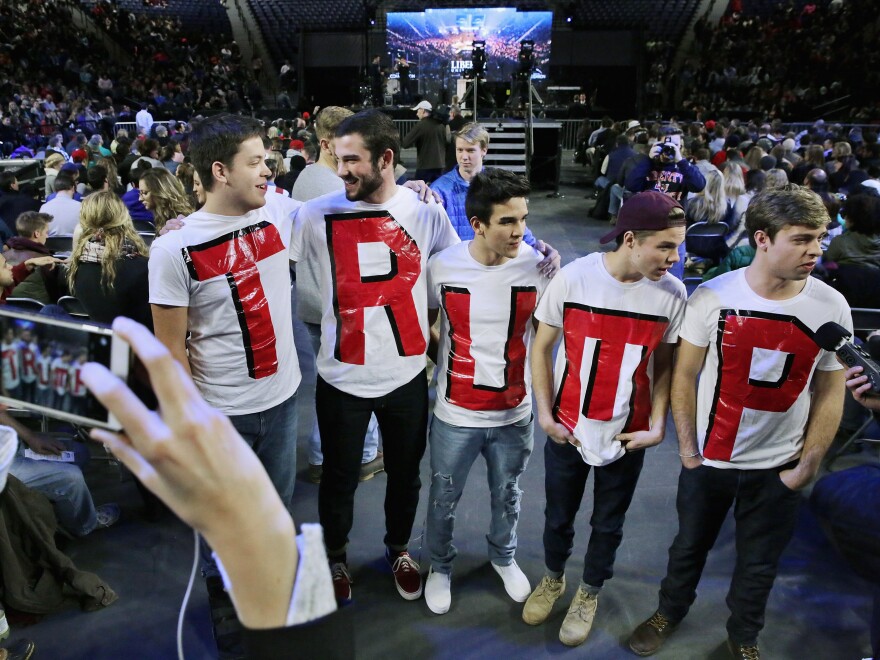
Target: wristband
695,454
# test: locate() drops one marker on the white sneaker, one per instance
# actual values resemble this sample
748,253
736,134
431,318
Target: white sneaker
516,584
438,592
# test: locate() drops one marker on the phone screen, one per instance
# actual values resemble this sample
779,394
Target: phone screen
41,360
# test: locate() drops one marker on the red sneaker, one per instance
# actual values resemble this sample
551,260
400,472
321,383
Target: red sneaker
406,575
341,581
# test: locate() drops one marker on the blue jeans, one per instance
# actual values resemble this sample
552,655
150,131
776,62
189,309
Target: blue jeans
63,484
371,439
272,435
765,511
453,451
564,483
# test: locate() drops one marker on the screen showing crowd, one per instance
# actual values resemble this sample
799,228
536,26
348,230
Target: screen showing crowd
439,41
42,363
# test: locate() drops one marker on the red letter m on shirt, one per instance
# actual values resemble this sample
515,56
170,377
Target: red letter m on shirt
612,332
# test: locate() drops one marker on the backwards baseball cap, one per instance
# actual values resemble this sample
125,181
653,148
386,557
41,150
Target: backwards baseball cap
424,105
299,145
647,211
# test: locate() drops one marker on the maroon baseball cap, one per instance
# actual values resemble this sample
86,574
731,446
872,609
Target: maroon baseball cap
647,211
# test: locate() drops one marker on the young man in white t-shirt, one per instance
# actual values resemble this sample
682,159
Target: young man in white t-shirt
618,314
220,296
751,433
486,290
372,241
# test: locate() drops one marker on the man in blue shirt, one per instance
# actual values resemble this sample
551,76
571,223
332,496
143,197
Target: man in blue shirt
471,145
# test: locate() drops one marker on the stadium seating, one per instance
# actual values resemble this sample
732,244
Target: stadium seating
199,16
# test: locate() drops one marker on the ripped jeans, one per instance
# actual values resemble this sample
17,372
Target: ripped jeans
453,451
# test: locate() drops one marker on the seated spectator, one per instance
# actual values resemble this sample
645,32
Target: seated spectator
64,209
776,178
162,194
52,165
33,230
148,151
98,180
710,206
108,266
171,156
859,244
184,174
814,157
132,198
113,183
12,203
62,483
753,157
843,169
735,189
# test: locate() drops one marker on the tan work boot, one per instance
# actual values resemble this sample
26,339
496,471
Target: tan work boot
579,620
539,604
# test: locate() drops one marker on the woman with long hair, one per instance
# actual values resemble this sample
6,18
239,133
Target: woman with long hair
735,189
754,156
163,194
710,204
109,164
107,269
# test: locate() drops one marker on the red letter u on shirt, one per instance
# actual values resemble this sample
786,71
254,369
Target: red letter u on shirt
460,387
353,292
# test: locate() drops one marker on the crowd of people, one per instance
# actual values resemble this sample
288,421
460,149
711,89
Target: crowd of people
820,52
75,84
190,231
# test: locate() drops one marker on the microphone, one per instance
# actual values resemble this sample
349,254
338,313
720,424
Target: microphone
833,337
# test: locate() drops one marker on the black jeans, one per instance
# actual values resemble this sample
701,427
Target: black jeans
564,482
342,422
765,511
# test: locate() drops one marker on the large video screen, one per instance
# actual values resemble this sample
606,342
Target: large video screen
438,41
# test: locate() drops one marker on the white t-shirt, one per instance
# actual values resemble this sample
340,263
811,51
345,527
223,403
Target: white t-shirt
603,377
30,353
314,181
756,416
486,332
373,258
11,355
44,371
60,373
233,274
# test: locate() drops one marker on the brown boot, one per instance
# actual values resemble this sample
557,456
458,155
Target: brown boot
743,651
650,635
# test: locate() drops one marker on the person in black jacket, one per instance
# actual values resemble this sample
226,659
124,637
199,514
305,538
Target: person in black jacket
429,137
108,266
12,203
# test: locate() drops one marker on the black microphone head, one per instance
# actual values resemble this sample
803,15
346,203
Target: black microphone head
829,334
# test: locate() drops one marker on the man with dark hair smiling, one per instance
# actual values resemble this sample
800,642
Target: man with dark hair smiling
607,399
372,241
